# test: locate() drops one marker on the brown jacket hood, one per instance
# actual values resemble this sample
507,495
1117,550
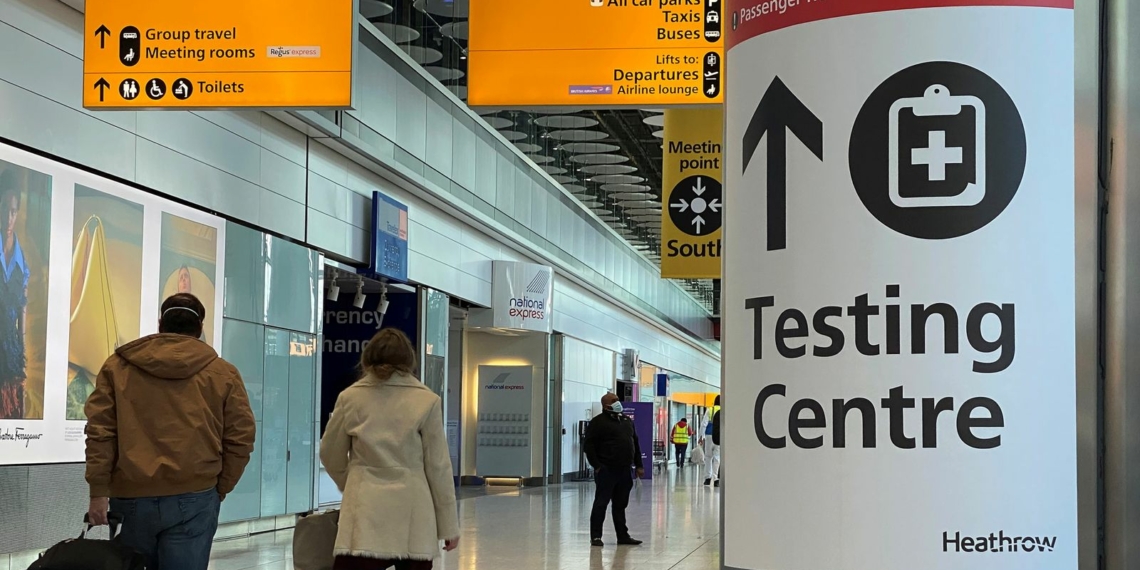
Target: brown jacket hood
169,356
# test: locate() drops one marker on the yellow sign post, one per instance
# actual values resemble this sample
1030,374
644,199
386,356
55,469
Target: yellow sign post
218,53
692,194
595,53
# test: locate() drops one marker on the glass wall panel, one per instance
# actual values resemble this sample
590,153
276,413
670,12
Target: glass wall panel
302,390
275,424
437,311
291,287
244,346
245,274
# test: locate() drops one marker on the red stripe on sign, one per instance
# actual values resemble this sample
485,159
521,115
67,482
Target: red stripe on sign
751,18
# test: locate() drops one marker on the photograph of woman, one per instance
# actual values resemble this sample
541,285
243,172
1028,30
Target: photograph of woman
185,280
25,217
189,263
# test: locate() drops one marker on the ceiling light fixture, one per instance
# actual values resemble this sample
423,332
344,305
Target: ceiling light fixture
383,310
358,300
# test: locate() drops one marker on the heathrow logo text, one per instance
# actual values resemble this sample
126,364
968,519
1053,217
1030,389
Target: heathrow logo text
996,543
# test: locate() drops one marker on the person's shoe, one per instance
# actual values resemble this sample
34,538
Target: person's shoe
708,482
628,541
717,484
597,542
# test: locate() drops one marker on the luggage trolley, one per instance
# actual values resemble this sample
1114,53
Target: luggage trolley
660,460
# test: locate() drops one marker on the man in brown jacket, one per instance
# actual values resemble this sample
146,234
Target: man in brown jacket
169,433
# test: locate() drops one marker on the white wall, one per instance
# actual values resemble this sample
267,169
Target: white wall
455,257
588,372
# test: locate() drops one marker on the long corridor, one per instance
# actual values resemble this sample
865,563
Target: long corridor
548,529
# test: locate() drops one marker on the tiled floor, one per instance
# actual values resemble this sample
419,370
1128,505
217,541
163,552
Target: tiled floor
548,529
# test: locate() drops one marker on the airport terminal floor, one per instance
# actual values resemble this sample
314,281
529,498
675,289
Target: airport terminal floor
548,529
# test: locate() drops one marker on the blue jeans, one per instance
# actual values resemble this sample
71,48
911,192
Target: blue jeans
174,533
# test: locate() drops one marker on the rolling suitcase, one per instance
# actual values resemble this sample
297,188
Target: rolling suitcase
89,554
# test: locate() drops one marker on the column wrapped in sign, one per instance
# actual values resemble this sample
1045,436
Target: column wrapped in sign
899,286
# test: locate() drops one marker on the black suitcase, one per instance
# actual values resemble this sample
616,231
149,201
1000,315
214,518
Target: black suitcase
88,554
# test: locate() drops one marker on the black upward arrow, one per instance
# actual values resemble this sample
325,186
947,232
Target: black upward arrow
102,32
779,110
102,85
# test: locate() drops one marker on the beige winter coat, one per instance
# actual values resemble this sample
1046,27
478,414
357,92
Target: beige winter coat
386,450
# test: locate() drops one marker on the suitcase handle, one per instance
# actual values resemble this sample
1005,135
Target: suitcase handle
115,520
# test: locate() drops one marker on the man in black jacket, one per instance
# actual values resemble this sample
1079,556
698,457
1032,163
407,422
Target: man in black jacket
613,451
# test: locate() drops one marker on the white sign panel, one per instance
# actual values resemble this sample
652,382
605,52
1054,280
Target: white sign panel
504,444
521,295
84,266
899,286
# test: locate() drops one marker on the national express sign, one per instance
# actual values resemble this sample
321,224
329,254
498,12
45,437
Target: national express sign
521,296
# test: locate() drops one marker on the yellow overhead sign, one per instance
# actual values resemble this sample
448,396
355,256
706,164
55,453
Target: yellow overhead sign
692,193
595,53
218,53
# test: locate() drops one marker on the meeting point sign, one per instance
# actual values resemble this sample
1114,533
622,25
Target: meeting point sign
899,286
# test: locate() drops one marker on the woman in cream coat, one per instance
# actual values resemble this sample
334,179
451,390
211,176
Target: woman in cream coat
386,450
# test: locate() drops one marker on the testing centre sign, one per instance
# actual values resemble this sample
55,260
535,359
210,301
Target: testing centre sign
269,54
899,286
691,222
595,53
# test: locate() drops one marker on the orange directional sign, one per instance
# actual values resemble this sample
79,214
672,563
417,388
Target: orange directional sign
595,53
218,53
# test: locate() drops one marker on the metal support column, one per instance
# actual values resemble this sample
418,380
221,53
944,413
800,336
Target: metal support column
1121,168
1090,281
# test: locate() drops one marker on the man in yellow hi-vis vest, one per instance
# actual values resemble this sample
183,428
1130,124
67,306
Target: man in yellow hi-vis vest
682,433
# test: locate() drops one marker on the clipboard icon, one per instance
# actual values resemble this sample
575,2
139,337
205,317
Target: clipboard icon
937,155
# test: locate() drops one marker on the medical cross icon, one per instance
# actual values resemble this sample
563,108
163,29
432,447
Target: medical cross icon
937,151
936,156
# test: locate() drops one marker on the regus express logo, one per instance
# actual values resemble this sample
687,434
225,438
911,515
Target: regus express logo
294,51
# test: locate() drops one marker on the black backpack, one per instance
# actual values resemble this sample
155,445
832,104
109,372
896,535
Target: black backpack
89,554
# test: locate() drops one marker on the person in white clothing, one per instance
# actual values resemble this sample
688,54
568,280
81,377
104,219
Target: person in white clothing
386,450
711,447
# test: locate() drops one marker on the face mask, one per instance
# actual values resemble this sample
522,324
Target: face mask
616,407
